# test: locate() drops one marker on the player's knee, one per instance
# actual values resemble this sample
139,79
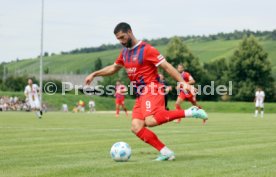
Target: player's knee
150,121
135,128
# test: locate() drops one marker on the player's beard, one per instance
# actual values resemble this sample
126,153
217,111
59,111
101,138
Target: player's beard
128,44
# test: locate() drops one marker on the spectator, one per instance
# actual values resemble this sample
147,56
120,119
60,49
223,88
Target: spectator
92,105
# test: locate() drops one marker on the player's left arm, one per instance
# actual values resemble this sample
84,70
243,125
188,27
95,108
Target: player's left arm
191,81
26,92
176,76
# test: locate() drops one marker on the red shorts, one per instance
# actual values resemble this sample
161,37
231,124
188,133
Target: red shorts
120,101
148,104
187,96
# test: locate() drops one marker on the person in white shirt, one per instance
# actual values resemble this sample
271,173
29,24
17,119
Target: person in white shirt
31,92
259,102
65,107
92,105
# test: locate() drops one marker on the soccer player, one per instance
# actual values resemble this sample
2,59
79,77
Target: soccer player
92,105
259,102
31,92
120,89
187,77
140,61
64,107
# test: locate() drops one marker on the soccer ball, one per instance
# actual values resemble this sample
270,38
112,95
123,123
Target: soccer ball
120,152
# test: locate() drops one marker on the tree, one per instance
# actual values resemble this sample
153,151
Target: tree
46,70
177,52
98,64
46,54
250,68
215,71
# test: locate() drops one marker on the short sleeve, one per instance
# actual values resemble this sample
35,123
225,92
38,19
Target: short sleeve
186,76
153,56
191,78
120,59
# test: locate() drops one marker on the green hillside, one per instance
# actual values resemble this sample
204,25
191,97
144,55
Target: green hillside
72,63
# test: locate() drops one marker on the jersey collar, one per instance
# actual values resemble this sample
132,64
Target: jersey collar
138,43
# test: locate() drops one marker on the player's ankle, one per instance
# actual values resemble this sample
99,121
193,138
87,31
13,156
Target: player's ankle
188,113
165,151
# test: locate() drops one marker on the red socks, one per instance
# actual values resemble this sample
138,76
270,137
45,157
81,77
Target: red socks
149,137
167,116
161,117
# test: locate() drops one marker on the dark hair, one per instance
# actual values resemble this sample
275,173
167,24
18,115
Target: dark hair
124,27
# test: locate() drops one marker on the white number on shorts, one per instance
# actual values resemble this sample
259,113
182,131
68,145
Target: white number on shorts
148,104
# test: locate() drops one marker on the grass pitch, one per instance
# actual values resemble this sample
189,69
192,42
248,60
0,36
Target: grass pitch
77,145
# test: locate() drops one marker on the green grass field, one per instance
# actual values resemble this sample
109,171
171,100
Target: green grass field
77,145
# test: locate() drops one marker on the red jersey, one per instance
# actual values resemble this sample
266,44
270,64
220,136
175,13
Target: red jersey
141,63
119,88
186,76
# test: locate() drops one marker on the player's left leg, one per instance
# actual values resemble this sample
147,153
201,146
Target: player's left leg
152,105
34,107
124,108
117,109
164,116
192,99
262,109
257,105
262,112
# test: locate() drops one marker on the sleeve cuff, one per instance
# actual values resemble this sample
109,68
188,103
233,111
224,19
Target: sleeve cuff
160,62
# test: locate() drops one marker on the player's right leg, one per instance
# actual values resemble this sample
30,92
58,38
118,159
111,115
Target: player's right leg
177,105
178,102
117,109
192,99
124,108
146,135
257,105
256,112
149,137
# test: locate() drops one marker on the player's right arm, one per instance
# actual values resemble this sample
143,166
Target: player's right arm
26,92
106,71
